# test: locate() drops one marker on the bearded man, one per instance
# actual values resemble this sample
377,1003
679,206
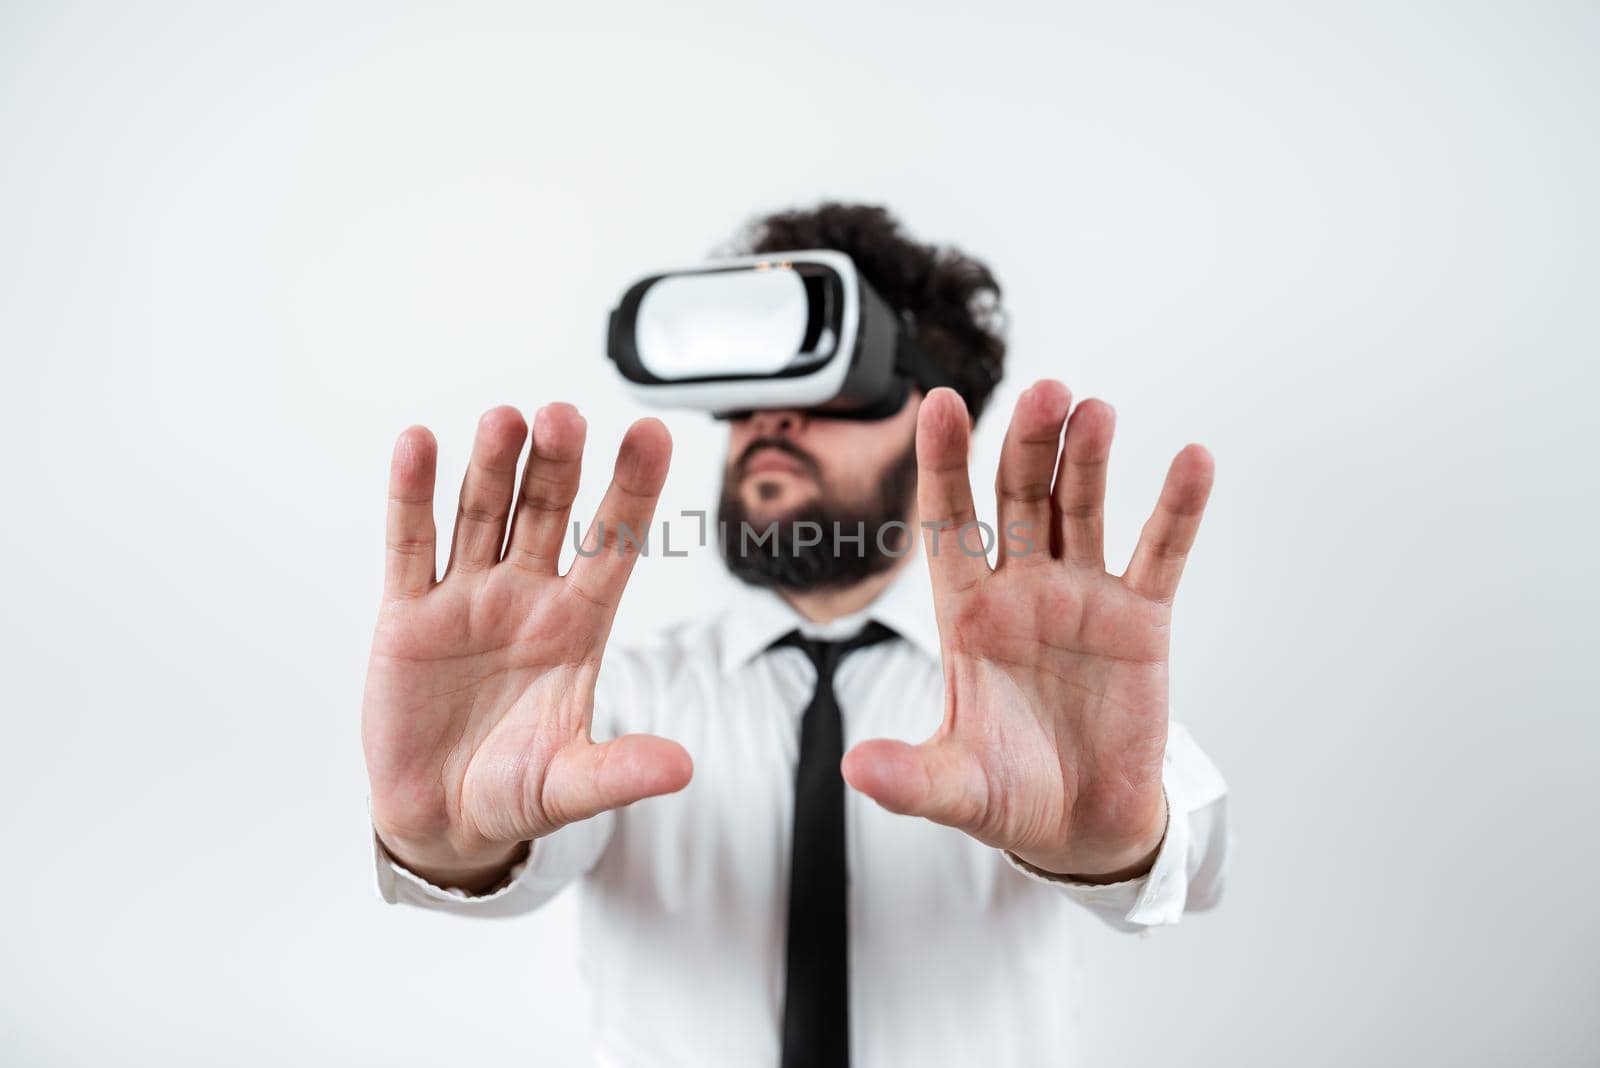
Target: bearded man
908,763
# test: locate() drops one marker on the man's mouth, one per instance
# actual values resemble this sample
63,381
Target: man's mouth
775,456
769,460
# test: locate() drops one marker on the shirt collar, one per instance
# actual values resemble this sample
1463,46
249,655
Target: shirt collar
758,617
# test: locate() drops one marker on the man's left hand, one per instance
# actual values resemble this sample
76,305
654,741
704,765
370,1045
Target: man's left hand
1055,719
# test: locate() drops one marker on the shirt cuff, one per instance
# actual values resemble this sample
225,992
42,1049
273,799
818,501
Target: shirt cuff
398,884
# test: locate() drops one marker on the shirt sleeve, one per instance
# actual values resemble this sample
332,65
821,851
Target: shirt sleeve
1189,867
552,862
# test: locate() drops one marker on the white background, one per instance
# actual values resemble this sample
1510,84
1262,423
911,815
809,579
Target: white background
1351,247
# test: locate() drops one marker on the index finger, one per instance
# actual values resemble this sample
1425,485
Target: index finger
621,527
944,493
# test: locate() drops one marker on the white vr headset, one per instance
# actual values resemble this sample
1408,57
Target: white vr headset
796,329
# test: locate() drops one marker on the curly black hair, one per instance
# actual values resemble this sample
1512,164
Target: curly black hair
953,298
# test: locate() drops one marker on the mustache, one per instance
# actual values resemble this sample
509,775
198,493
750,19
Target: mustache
784,445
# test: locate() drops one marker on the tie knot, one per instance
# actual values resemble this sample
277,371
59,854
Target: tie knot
826,653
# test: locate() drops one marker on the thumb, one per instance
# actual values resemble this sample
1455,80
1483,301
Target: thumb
587,778
934,780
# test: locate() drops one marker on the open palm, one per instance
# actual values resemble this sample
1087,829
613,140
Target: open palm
1056,710
480,687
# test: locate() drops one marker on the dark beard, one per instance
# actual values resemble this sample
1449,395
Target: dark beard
778,562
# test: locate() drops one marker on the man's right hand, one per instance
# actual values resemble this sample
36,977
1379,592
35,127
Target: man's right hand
480,688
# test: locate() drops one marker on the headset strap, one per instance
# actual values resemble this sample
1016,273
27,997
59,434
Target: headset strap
912,360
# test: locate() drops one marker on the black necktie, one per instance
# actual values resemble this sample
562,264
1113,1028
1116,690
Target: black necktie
816,1002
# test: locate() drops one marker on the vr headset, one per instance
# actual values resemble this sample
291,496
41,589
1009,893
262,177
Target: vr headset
796,329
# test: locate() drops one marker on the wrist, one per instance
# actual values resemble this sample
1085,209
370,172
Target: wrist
476,870
1116,862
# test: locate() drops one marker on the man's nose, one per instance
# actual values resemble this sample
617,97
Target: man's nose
777,422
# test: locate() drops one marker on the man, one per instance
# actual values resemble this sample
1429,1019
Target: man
1003,729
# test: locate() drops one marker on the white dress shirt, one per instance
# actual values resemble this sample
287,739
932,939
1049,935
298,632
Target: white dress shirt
958,954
